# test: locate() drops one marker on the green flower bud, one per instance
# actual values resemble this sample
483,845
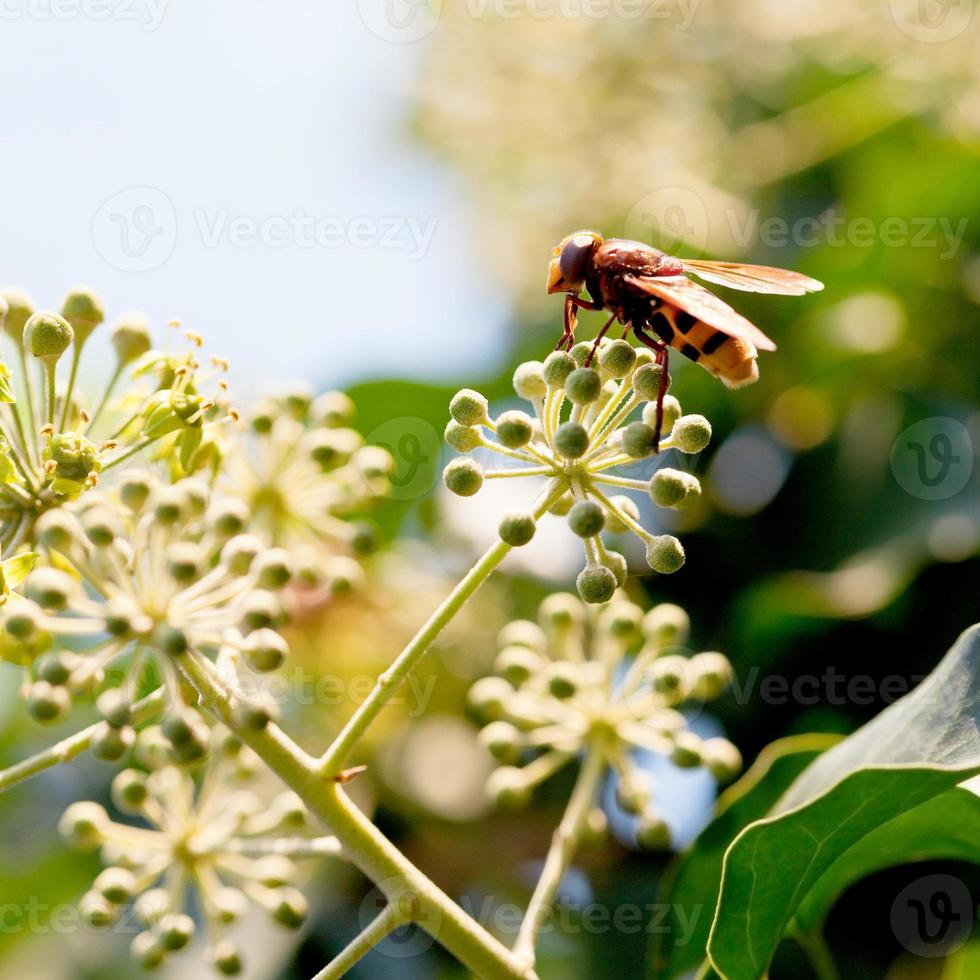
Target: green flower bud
514,429
617,359
263,417
583,386
713,674
256,714
272,569
595,828
529,380
674,488
633,794
228,517
96,911
134,489
571,440
672,412
488,696
332,408
20,308
83,824
561,611
175,931
622,620
469,407
686,752
239,552
562,505
646,381
665,554
558,366
114,707
462,438
291,908
24,621
171,640
100,526
146,951
691,433
517,664
129,791
653,834
638,439
265,650
666,624
47,336
563,680
185,729
366,538
523,633
110,744
502,740
225,958
230,905
83,309
46,703
580,352
131,337
375,462
116,885
586,519
50,588
260,609
628,506
508,788
464,477
74,456
596,584
54,667
669,677
722,759
618,565
517,529
297,400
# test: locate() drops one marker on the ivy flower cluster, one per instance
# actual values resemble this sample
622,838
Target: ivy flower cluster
579,451
604,681
140,579
308,478
222,839
54,446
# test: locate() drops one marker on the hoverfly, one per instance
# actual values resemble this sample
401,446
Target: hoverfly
650,293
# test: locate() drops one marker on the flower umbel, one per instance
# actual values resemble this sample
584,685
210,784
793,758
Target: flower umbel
580,451
602,681
52,446
139,579
224,839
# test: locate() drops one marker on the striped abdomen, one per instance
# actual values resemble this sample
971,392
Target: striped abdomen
730,359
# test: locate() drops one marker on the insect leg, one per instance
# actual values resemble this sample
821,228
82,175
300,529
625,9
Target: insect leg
571,322
598,340
660,349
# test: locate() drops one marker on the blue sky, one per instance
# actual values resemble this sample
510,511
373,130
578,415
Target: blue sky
243,166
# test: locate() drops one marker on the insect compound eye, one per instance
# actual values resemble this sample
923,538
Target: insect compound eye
575,254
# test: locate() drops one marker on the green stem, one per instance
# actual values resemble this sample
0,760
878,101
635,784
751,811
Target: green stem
74,745
564,844
110,387
387,922
29,392
75,357
397,878
49,377
333,759
139,447
818,952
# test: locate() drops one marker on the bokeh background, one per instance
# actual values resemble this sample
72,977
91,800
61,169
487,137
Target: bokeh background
365,195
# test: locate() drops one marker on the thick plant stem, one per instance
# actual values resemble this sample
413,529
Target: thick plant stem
564,844
387,922
73,746
333,759
364,845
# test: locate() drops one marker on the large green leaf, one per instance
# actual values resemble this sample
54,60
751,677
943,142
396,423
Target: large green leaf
917,749
690,890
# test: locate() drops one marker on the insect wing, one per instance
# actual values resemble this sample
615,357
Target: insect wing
754,278
702,304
